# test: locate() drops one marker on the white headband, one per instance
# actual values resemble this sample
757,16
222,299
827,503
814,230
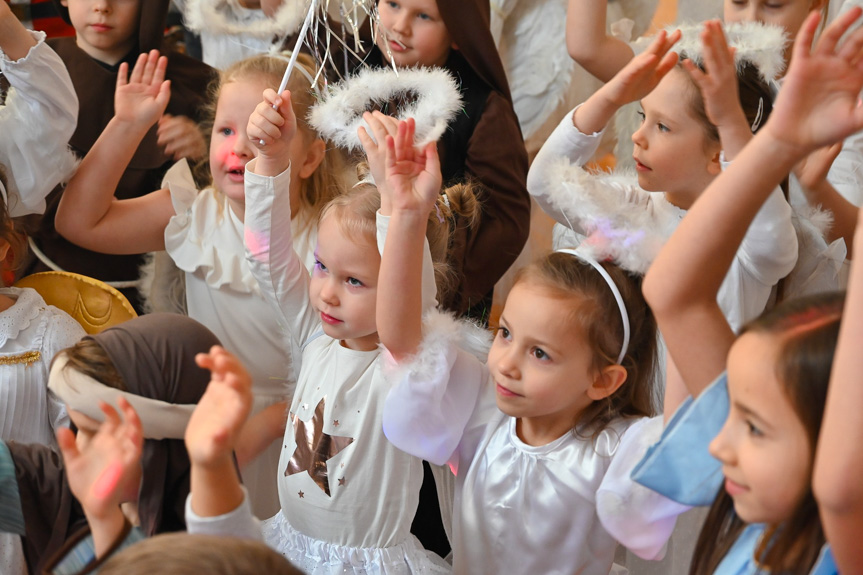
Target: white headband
159,419
614,290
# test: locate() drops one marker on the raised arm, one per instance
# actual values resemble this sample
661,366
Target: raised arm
818,106
588,43
15,40
413,179
88,214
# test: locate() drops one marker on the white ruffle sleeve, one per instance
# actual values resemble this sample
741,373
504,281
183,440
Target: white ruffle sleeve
436,397
237,523
37,121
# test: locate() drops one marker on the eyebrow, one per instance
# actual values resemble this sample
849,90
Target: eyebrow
750,413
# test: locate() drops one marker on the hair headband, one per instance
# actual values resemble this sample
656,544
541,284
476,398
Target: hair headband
624,316
159,419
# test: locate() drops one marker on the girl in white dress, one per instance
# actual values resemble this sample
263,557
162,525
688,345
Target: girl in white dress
203,231
348,496
541,438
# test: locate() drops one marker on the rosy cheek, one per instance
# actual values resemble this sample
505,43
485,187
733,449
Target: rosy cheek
223,151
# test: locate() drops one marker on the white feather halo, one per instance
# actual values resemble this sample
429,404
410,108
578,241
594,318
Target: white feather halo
760,45
339,116
628,230
220,17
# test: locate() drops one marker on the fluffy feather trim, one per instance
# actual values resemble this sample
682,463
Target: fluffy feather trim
760,45
622,222
440,331
222,17
432,94
819,219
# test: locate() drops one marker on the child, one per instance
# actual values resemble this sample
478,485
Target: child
202,231
484,144
767,407
40,109
677,152
110,32
541,484
347,494
150,362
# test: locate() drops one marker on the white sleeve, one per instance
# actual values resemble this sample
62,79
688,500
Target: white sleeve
639,518
37,121
429,287
435,396
846,173
566,141
237,523
283,278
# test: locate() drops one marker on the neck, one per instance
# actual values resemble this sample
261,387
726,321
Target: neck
6,302
111,57
366,343
537,431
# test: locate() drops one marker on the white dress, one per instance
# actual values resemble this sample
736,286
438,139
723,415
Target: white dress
205,240
31,333
560,508
348,496
767,254
38,118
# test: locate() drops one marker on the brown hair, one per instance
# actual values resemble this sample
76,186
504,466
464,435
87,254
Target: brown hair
806,330
90,358
186,554
326,181
356,212
7,226
598,315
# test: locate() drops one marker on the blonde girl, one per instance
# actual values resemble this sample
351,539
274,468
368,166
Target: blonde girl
202,231
348,496
762,415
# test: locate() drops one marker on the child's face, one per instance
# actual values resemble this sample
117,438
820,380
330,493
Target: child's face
106,30
413,32
788,14
230,148
763,446
540,362
343,287
672,152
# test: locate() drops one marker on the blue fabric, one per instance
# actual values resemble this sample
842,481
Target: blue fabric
680,466
11,515
83,554
740,558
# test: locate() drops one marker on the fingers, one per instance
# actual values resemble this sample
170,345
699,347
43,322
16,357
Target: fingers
131,420
138,70
852,47
123,75
803,42
831,36
67,445
432,163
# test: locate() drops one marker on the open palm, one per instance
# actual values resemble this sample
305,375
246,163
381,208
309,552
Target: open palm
143,96
413,176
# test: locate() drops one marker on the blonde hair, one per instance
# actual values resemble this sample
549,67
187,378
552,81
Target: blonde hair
356,213
326,181
186,554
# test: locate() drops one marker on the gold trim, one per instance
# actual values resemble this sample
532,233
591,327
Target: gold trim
26,358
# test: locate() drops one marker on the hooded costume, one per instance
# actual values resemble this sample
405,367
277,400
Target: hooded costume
155,355
94,83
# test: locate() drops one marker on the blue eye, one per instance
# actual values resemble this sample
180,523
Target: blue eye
753,429
662,127
320,266
423,16
226,132
354,282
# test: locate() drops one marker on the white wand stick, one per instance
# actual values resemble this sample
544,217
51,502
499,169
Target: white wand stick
293,61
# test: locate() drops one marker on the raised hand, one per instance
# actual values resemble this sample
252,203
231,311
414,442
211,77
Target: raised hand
413,176
141,98
375,148
272,127
216,423
181,137
643,73
819,101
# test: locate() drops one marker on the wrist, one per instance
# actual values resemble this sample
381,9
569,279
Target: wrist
130,126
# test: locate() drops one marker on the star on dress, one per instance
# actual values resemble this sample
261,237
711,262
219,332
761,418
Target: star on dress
314,447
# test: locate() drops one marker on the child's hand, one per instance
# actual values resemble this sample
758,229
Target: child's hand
381,126
812,170
819,101
142,97
718,81
643,73
219,417
181,137
103,472
413,177
272,127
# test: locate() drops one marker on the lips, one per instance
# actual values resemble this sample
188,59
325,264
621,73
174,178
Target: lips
397,46
100,27
640,167
505,392
326,318
236,174
733,488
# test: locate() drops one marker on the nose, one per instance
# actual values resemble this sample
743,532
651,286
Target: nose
752,13
722,446
402,24
243,148
329,293
507,364
102,6
638,137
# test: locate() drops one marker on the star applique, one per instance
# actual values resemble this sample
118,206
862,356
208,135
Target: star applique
314,447
341,481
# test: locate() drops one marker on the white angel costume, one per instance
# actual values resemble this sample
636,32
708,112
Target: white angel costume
205,241
348,496
616,205
559,508
31,333
37,120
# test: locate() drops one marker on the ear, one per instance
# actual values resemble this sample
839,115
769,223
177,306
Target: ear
714,167
4,249
314,156
64,3
607,382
